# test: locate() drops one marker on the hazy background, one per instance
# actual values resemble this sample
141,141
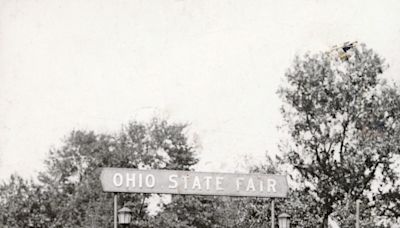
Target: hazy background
97,64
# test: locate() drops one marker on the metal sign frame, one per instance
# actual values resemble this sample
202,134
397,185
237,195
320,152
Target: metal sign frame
126,180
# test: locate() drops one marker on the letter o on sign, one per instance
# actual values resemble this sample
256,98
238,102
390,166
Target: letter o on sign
150,181
118,179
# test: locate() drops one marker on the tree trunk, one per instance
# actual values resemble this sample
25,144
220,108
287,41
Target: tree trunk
325,221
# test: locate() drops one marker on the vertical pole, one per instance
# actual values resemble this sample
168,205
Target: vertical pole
115,210
358,214
273,213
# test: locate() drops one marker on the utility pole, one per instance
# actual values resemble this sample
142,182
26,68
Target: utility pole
358,214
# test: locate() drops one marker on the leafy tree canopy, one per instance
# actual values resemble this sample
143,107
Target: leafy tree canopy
344,125
71,194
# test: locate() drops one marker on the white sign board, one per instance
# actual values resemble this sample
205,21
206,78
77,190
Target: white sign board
194,183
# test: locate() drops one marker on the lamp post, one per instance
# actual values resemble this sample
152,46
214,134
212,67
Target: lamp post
124,216
35,221
284,220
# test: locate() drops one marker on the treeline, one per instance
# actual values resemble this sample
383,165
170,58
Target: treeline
69,193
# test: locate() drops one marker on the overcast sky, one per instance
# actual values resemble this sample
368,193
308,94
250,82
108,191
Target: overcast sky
95,65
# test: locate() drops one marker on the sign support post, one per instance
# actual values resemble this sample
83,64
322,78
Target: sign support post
272,213
115,209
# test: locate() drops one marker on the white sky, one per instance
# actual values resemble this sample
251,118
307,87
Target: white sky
95,64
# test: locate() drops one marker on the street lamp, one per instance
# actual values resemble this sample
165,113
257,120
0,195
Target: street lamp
35,221
284,220
124,216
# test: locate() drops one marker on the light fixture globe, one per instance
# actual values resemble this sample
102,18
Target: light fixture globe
284,220
124,216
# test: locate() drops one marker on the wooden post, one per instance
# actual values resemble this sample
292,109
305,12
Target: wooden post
358,214
115,210
273,213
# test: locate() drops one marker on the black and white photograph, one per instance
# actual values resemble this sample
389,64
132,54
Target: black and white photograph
199,114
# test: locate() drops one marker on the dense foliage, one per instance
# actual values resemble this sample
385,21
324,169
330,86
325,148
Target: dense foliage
344,125
69,193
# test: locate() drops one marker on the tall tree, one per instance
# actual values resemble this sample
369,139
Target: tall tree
344,124
72,175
